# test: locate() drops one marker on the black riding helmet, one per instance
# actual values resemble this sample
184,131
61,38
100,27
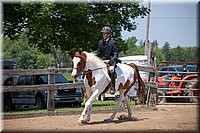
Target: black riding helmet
106,29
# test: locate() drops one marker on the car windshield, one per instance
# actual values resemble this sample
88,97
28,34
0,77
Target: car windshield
192,68
162,74
179,69
59,78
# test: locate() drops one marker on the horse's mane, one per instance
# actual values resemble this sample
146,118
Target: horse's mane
92,58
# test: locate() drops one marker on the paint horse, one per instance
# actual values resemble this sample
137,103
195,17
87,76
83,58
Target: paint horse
97,81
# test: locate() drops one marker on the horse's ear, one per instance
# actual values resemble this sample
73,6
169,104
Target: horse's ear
79,51
84,56
73,51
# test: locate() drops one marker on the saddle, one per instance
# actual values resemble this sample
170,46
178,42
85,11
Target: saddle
112,76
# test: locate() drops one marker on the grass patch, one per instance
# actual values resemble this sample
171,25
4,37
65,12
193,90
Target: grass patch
68,76
97,105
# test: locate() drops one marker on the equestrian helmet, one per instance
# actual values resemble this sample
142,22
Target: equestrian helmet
106,29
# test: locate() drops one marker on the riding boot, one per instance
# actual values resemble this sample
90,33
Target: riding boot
112,83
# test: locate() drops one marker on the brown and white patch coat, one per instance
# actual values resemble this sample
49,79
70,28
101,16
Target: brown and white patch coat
97,80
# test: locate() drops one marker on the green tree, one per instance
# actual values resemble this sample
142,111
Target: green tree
177,54
159,53
186,54
132,48
190,54
57,28
14,19
26,55
166,51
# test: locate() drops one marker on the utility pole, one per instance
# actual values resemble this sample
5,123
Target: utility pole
150,52
147,30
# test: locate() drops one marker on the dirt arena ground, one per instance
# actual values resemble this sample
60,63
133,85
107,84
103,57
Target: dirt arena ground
166,118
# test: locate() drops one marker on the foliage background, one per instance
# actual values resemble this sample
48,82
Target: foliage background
39,35
30,57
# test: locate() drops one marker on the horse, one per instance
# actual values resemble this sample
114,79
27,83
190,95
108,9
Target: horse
97,81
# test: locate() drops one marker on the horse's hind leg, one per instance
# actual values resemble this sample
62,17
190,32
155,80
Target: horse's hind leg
128,107
119,103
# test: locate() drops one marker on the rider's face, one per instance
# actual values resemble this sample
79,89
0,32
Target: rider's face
106,35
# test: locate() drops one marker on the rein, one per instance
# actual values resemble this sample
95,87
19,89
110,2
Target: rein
86,72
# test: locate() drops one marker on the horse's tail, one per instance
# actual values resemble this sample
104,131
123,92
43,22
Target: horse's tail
141,86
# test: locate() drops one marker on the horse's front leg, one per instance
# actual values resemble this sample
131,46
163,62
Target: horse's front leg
88,110
88,93
80,120
88,105
88,114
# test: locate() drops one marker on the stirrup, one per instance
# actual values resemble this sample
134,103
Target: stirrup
111,68
112,91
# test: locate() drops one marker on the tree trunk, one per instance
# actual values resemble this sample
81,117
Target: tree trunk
59,59
55,55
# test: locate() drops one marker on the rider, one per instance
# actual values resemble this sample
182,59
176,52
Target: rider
107,50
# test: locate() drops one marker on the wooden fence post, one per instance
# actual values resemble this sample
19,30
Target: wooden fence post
50,94
152,93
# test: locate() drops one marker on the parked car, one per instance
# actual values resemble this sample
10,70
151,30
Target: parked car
177,76
177,69
9,64
38,97
8,81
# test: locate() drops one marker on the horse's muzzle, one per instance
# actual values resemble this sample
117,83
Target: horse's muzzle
74,75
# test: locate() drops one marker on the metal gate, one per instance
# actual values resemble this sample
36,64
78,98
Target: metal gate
178,83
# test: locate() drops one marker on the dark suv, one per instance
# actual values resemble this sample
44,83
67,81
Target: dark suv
39,96
178,68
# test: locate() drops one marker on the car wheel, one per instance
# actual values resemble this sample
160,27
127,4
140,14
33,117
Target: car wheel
40,103
103,97
79,105
8,105
76,105
116,98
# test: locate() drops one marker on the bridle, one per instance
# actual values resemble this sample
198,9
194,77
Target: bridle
88,71
94,69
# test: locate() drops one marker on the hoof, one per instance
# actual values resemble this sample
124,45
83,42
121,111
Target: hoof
107,120
130,118
82,122
122,117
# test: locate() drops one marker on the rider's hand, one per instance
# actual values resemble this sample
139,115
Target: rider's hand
111,62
